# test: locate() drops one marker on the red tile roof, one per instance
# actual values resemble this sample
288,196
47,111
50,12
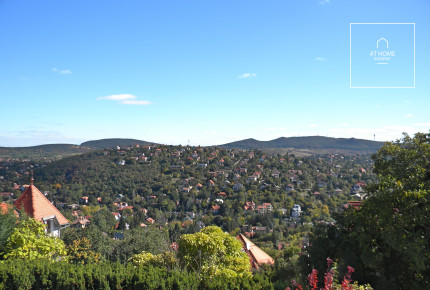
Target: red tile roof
257,256
36,205
354,204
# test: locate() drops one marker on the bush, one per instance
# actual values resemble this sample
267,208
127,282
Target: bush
44,274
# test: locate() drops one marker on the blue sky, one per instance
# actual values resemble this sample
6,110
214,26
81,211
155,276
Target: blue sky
206,71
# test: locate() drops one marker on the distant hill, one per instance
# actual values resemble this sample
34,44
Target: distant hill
59,151
51,151
113,142
313,144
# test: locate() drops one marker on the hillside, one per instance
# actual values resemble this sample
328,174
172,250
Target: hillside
312,144
113,142
51,151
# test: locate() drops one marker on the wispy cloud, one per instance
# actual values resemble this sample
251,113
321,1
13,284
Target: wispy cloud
61,71
247,75
409,115
320,58
323,2
125,99
135,102
120,97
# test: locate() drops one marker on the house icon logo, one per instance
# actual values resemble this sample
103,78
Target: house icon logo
381,42
382,55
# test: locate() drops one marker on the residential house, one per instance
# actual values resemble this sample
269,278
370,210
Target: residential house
354,204
215,209
252,178
121,162
275,173
222,194
186,189
260,230
265,207
84,200
202,165
338,191
249,205
295,213
116,215
81,222
37,206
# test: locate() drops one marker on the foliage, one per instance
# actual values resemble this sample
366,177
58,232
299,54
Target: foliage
166,259
211,252
387,239
391,230
100,243
135,241
29,241
43,274
7,224
104,220
80,252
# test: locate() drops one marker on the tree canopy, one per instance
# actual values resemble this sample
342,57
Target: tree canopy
29,241
212,252
388,237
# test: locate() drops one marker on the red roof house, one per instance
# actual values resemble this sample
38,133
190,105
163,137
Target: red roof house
37,206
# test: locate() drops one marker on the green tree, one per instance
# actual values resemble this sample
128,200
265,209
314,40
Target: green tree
165,260
30,241
212,252
7,225
80,252
390,234
104,220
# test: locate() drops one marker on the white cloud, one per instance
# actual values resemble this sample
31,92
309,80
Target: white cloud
135,102
320,58
62,71
409,115
125,99
119,97
247,75
313,125
322,2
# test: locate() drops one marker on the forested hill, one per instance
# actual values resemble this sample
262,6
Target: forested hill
113,142
310,142
59,151
55,151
